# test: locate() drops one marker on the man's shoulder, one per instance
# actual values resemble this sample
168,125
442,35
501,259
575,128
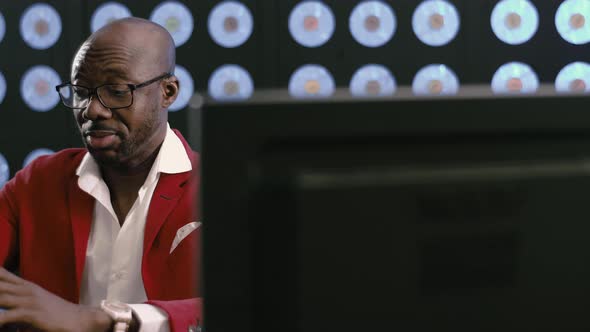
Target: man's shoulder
63,158
59,164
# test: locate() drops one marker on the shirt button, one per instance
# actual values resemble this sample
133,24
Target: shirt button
117,275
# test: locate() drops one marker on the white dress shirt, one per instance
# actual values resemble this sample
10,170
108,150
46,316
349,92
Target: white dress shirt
113,258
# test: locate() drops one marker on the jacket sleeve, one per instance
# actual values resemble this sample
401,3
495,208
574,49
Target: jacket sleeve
182,314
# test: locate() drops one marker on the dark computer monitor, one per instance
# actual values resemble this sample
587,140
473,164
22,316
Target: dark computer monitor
467,213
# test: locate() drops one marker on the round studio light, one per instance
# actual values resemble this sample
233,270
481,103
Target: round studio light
514,21
573,78
230,24
311,81
435,22
231,83
187,88
2,87
37,90
515,77
435,79
176,18
2,27
36,153
372,81
571,21
106,13
311,23
40,26
372,23
4,170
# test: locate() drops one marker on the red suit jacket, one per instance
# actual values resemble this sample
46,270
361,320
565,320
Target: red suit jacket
45,221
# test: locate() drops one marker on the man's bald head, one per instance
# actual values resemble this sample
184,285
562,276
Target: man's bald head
140,41
129,60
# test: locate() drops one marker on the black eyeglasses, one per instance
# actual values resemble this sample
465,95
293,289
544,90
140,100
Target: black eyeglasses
111,96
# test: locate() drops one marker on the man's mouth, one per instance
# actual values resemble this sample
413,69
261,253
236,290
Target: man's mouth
100,139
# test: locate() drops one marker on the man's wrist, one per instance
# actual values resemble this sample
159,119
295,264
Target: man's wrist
101,321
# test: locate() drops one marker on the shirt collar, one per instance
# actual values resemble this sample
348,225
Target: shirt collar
172,159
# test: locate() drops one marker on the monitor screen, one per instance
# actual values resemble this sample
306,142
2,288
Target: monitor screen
464,213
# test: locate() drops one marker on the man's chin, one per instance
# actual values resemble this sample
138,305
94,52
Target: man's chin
105,157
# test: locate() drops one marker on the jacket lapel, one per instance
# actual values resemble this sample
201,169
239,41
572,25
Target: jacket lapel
164,200
166,196
81,206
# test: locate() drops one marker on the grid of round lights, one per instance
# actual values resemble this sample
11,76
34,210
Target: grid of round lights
311,81
230,24
231,82
571,21
311,23
515,77
435,79
371,81
436,22
514,21
176,18
372,23
106,13
40,26
573,78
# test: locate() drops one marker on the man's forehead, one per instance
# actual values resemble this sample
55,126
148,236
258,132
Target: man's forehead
111,62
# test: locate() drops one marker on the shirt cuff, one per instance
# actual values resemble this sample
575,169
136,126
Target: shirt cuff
151,318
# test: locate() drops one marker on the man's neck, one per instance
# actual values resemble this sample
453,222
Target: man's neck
122,179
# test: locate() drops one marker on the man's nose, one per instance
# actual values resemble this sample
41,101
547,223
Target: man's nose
96,110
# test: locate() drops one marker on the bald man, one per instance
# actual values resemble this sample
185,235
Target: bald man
107,237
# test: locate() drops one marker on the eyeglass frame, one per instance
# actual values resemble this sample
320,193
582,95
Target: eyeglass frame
93,91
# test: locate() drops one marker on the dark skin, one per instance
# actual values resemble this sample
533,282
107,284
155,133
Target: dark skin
124,142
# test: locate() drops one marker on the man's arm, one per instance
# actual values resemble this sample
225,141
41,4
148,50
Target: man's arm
31,305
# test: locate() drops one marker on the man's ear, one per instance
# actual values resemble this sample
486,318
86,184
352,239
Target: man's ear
171,89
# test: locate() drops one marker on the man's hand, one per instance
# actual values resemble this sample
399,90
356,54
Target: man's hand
26,303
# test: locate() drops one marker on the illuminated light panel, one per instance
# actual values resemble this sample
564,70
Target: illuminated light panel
311,23
372,81
514,21
435,79
176,18
231,82
40,26
36,153
37,88
573,78
230,24
515,77
2,27
372,23
187,88
106,13
4,170
572,21
435,22
311,81
2,87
